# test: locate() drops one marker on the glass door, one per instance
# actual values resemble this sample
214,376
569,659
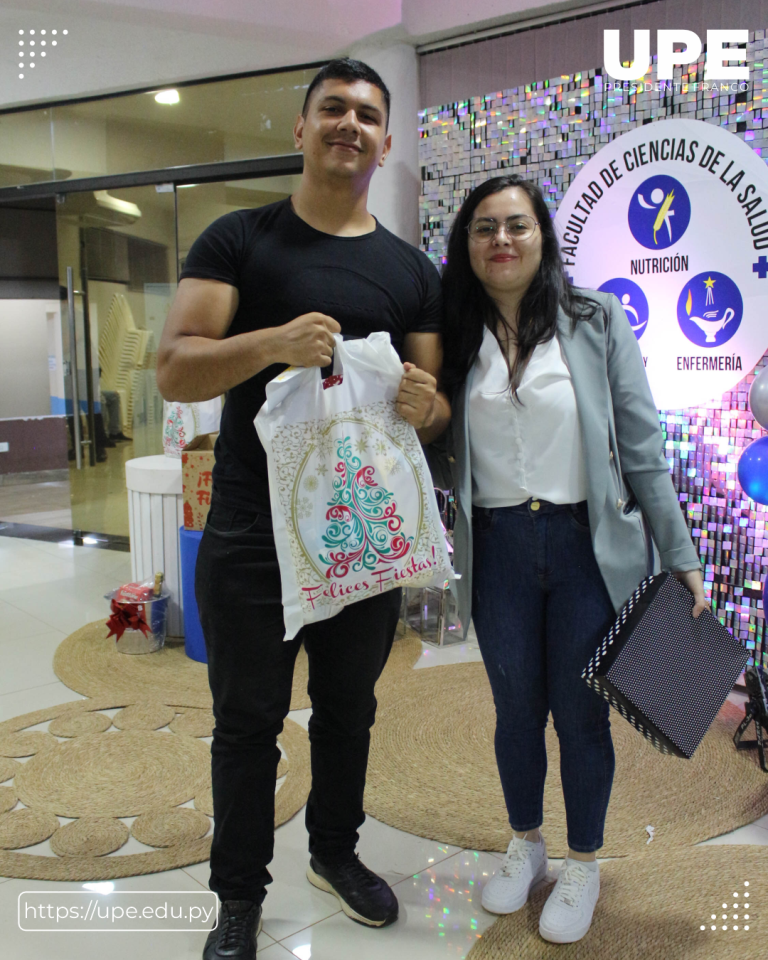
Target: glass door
117,272
199,204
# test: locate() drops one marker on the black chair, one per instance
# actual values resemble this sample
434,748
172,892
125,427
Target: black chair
756,680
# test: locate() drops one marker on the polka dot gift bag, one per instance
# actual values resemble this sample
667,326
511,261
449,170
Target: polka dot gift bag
667,673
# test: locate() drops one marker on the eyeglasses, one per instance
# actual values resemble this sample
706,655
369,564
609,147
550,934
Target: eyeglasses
517,228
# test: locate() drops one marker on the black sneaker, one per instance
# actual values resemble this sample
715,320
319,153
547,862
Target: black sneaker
234,937
363,896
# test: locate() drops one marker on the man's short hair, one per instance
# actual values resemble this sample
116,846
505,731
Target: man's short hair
349,71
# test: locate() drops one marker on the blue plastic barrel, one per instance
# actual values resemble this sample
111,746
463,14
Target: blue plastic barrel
194,643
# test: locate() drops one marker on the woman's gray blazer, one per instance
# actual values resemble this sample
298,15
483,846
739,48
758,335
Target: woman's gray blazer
628,481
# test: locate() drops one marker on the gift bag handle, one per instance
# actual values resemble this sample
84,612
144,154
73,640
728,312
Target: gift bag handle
335,376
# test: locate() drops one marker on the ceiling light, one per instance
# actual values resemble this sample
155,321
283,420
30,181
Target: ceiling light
167,96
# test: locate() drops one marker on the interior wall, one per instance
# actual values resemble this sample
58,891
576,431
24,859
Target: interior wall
573,45
429,20
393,197
121,45
24,381
36,446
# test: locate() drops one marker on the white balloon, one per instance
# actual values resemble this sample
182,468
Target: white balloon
758,398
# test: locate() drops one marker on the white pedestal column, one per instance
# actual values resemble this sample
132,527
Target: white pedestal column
394,194
155,513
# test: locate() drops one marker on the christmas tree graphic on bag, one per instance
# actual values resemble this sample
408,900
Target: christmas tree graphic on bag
364,528
353,508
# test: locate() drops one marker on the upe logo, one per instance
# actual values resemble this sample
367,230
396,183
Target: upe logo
659,212
669,58
709,309
632,299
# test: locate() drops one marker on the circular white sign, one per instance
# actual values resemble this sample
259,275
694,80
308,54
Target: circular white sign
672,217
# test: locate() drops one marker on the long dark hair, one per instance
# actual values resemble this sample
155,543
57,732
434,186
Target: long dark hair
469,309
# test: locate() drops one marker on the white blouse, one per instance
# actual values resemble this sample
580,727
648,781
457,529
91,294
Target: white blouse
526,448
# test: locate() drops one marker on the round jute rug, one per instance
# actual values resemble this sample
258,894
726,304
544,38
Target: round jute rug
88,663
432,772
654,906
99,776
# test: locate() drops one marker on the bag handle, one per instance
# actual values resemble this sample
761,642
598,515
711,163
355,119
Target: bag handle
337,368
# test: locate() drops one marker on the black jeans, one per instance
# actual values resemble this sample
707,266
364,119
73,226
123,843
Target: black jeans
250,671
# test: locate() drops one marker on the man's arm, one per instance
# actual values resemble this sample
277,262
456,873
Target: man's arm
419,400
196,362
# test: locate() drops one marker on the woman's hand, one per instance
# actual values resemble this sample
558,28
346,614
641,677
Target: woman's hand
695,583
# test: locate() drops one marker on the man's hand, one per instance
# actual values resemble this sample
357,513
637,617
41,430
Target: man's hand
416,397
196,360
695,583
306,341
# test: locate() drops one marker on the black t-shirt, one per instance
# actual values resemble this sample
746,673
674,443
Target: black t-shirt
284,268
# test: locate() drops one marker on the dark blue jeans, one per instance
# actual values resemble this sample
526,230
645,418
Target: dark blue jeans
540,609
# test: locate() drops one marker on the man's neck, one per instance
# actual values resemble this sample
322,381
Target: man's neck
335,207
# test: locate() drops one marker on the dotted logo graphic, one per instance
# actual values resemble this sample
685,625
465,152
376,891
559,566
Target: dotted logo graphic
709,309
743,914
659,212
34,45
632,298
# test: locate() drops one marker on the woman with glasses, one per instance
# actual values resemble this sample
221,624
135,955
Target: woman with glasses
562,490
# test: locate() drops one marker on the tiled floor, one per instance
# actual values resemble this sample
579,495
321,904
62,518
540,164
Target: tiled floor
93,498
46,591
44,504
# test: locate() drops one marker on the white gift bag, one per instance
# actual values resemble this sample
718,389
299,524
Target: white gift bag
353,508
183,422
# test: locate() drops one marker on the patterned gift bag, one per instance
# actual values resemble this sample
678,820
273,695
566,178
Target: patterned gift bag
353,508
184,422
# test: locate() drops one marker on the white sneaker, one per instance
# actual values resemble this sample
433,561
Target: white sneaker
567,914
524,865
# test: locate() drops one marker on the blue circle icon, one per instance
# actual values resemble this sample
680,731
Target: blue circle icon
659,212
632,298
709,309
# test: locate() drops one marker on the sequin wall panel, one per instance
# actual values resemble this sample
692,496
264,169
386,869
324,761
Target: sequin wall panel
546,131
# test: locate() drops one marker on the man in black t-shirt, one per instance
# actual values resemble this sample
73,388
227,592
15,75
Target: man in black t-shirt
262,289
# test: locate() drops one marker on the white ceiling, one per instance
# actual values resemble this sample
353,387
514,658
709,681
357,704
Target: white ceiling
121,44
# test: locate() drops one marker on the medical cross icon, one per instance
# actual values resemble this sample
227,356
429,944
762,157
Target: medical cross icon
760,267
